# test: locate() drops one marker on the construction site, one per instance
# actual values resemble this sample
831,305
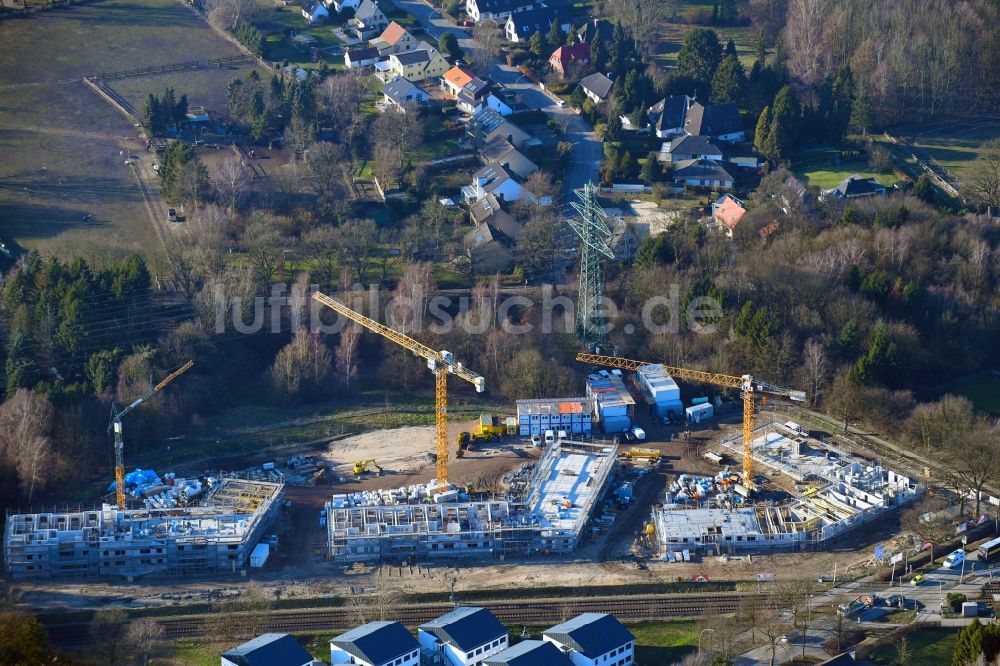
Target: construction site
215,535
809,492
545,509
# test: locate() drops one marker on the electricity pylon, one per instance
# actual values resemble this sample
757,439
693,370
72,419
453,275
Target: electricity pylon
592,229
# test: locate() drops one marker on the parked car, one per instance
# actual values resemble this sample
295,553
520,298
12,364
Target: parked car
172,214
638,433
954,559
536,441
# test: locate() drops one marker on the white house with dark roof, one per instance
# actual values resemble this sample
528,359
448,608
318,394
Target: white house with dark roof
315,11
269,650
685,147
721,122
597,87
368,20
530,653
479,10
341,5
464,637
593,639
501,151
856,187
702,173
667,116
376,644
520,26
400,95
363,57
493,179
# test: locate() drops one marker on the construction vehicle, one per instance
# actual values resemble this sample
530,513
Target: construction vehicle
648,454
441,363
491,426
747,385
465,443
361,467
116,426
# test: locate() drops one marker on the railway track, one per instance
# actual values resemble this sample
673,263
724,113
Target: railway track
521,612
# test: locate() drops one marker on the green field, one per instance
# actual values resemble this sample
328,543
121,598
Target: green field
929,646
205,88
984,394
60,142
825,169
956,147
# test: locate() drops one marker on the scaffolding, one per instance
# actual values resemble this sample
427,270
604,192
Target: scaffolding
546,515
215,536
592,228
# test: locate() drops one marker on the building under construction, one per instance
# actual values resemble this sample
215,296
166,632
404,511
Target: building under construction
215,536
546,508
832,493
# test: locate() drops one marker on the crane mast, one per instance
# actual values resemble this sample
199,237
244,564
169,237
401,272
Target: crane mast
746,384
441,363
116,426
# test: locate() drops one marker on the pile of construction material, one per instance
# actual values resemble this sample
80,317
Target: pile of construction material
160,493
689,488
415,494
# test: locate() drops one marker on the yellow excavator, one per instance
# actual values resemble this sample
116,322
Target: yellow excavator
361,467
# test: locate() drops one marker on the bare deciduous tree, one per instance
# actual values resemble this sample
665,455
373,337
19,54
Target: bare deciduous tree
327,161
803,39
232,182
815,364
644,19
108,629
142,637
25,422
984,187
487,37
302,366
346,351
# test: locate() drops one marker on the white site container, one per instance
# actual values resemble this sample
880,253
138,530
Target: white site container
259,555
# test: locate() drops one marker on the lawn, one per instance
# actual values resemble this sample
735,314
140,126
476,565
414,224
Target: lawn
956,147
824,168
929,646
663,642
205,88
60,141
984,394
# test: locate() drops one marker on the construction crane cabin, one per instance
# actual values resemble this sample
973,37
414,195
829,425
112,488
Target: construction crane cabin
746,384
116,426
441,363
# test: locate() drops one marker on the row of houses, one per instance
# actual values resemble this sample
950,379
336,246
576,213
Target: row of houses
467,636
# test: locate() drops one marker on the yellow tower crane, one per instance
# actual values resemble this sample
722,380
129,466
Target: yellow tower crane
747,385
441,363
116,426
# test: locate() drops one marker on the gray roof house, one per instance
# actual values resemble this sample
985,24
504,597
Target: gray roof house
400,94
597,87
689,148
502,152
496,9
268,650
377,644
596,637
314,11
466,635
530,653
667,116
717,121
493,179
487,125
594,29
521,26
368,21
856,187
702,173
362,57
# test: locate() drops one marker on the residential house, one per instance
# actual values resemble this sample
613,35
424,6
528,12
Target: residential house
489,252
493,179
465,636
394,39
721,122
728,211
683,148
702,173
667,116
368,20
363,57
501,151
593,639
505,102
341,5
769,230
594,29
472,96
496,10
400,95
269,650
424,63
315,11
376,644
856,187
793,196
486,125
597,87
566,59
489,210
530,653
455,79
521,26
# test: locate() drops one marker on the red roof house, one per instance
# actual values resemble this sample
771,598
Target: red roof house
564,57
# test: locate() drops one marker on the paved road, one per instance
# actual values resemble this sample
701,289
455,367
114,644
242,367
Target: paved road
433,23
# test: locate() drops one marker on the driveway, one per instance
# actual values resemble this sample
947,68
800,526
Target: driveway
433,22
